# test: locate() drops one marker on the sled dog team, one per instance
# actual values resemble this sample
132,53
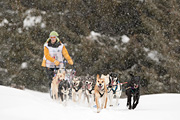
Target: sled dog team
99,91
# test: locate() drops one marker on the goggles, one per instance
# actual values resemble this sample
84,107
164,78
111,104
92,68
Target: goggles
53,37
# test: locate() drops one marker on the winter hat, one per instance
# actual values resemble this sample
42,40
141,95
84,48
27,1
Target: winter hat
53,33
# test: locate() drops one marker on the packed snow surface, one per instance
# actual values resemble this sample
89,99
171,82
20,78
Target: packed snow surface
31,105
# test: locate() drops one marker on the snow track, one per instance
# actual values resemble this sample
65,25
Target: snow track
31,105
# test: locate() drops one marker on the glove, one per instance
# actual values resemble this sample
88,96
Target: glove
56,62
70,62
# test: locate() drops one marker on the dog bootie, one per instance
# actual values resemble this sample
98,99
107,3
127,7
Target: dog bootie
94,106
50,91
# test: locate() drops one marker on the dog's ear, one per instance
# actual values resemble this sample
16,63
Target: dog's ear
111,74
97,76
80,84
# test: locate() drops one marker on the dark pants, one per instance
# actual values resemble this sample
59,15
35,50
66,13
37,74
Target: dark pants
50,74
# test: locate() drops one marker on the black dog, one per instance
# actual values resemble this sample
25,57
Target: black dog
133,90
63,89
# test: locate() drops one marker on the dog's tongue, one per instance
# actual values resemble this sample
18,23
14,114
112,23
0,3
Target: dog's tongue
136,86
100,87
89,86
112,82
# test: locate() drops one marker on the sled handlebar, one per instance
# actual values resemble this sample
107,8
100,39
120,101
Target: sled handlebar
64,62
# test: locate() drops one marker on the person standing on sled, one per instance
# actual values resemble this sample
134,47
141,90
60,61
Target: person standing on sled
54,54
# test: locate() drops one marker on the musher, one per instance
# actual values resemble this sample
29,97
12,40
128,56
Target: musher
54,54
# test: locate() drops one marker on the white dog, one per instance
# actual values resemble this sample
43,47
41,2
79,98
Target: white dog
77,89
113,86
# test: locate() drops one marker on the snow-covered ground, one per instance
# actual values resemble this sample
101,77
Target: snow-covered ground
31,105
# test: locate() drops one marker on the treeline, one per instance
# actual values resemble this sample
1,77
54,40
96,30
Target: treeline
152,52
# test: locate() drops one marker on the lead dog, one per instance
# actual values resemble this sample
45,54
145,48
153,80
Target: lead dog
133,90
100,93
77,89
55,83
114,88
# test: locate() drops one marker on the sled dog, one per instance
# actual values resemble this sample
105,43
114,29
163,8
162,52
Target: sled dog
77,89
64,88
100,93
133,90
114,88
89,91
55,83
106,79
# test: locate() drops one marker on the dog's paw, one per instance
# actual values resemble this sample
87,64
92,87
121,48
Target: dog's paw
133,107
98,110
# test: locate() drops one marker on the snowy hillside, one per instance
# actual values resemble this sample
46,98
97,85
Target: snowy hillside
30,105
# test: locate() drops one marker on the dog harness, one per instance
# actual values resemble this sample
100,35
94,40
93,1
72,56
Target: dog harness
133,90
90,91
76,89
101,94
114,90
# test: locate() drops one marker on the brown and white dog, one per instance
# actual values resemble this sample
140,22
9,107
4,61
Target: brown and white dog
77,89
100,93
55,83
